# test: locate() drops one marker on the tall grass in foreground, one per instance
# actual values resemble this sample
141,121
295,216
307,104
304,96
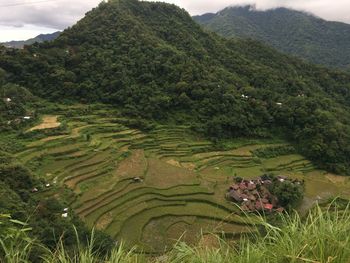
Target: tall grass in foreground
15,245
323,236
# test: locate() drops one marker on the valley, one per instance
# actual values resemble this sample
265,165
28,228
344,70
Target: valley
137,135
149,188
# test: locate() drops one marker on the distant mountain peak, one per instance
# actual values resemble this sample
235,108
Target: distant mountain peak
38,39
291,31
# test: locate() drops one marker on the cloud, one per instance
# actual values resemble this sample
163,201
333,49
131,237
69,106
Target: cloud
59,14
328,9
9,33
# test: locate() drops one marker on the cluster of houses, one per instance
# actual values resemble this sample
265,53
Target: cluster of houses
254,196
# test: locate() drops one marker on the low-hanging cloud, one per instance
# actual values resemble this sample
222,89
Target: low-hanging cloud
338,10
59,14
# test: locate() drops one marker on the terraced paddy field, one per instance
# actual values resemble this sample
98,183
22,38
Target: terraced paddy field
181,182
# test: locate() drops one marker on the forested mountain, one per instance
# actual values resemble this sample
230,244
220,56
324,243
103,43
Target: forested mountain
294,32
38,39
154,62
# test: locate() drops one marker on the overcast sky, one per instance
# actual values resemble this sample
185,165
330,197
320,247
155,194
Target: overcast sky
22,19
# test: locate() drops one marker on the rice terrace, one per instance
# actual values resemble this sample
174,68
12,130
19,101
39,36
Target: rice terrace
152,132
149,188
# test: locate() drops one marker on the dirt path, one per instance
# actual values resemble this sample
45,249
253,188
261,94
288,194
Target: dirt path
49,122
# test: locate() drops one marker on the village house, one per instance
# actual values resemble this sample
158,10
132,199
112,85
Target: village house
254,196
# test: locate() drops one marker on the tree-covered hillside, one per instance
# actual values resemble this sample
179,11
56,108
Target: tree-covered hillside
290,31
154,62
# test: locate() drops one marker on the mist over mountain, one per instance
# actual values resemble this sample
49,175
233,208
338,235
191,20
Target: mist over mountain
294,32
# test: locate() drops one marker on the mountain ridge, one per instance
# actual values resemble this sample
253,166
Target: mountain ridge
38,39
291,31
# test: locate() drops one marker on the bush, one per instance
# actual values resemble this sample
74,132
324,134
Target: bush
288,193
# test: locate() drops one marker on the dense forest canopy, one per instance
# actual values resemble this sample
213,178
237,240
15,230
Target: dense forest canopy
294,32
154,62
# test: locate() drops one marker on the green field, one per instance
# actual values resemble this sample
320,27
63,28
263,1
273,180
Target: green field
184,179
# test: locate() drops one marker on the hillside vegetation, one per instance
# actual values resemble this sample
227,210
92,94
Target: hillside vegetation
42,216
294,32
153,61
320,237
